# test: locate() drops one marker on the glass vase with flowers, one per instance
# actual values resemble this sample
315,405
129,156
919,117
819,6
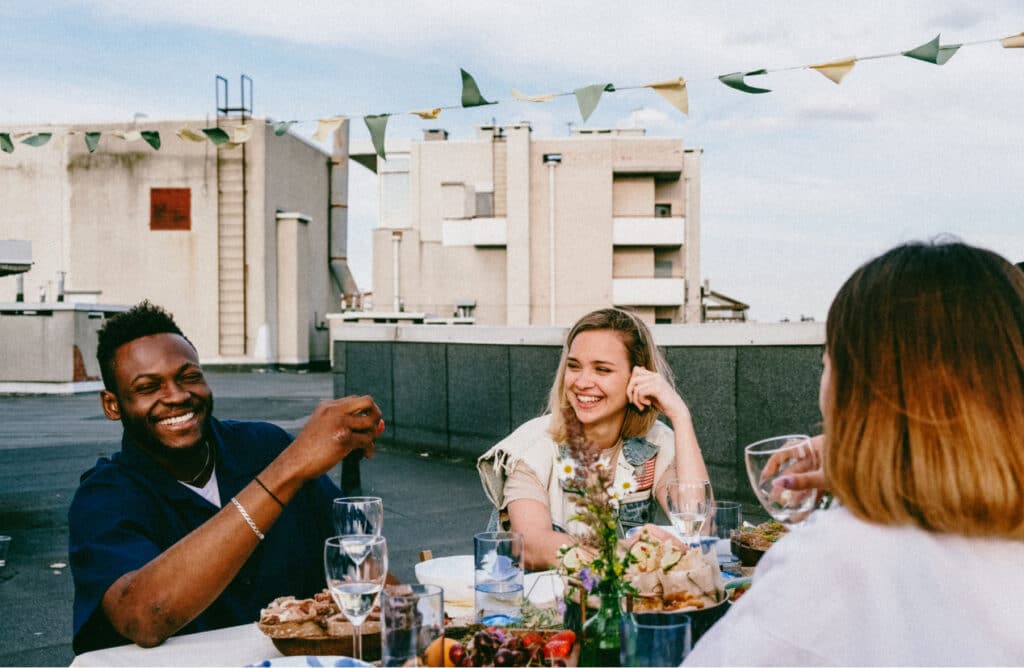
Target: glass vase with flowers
594,569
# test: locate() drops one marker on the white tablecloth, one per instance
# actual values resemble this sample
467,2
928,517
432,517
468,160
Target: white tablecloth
234,646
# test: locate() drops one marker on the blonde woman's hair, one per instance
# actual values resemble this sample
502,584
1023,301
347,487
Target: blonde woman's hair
924,415
640,349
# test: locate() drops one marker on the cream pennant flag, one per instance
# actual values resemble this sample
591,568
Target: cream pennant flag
1013,41
18,136
835,70
189,134
428,114
674,91
128,135
325,127
523,97
242,134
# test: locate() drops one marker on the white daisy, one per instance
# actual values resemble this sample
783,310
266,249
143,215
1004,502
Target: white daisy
566,469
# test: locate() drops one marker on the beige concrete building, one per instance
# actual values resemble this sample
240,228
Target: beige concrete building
525,231
236,241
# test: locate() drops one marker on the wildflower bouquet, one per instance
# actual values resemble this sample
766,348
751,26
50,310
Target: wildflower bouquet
596,566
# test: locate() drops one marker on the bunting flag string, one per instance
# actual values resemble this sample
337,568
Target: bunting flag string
836,70
673,91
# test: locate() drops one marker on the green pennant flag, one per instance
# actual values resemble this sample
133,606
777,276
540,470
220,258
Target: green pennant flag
38,139
933,52
588,97
151,137
281,127
217,136
5,143
735,80
92,140
377,124
471,96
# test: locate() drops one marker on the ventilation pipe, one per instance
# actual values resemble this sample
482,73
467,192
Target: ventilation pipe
396,248
551,160
337,229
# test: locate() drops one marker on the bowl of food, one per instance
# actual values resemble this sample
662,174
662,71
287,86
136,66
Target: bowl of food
452,574
750,544
315,627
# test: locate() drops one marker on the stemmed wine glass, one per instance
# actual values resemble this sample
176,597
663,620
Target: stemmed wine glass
772,458
356,566
358,514
687,503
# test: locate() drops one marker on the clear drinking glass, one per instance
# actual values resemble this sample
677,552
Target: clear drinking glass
498,578
654,639
412,618
772,458
356,567
728,517
687,502
358,514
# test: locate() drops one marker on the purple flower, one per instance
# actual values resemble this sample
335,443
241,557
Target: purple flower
589,579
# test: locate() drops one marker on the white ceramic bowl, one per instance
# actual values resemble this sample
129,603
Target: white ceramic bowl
453,574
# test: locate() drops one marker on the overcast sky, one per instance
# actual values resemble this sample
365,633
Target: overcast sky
800,185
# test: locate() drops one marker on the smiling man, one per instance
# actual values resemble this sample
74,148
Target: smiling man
196,523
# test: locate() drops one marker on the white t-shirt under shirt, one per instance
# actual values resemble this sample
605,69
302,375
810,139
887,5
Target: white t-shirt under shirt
208,491
841,591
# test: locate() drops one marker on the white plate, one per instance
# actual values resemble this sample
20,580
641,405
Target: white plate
455,576
336,661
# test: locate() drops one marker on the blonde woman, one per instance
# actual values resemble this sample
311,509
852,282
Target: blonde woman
612,383
922,396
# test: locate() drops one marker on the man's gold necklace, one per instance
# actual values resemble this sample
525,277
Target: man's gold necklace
195,479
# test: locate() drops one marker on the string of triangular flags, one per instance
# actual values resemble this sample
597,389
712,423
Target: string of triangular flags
587,98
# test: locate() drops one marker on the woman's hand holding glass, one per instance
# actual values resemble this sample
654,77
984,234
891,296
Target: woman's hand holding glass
773,464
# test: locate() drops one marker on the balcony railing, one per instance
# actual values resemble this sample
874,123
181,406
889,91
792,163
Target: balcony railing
473,232
648,291
666,232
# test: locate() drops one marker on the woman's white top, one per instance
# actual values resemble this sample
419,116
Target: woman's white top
841,591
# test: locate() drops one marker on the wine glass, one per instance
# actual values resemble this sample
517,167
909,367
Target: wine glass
356,566
358,514
687,503
772,458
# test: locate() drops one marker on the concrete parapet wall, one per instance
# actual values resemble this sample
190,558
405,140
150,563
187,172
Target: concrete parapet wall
50,347
457,390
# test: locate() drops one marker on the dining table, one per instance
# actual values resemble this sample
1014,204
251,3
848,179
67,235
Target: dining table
241,645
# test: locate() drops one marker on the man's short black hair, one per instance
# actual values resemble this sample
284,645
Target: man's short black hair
143,319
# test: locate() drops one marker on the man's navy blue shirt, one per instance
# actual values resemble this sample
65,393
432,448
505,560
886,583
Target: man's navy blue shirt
128,510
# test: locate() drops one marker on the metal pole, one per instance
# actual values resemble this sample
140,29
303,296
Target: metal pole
396,246
551,160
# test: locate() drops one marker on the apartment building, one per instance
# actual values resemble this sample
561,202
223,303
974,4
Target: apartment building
514,230
242,242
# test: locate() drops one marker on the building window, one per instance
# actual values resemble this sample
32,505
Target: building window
484,204
663,268
662,210
170,208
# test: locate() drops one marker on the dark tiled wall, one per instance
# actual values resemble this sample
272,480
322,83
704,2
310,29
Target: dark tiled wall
458,399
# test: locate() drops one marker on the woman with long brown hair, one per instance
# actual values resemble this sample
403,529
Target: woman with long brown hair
922,396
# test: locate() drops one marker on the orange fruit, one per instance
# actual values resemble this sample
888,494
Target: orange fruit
437,653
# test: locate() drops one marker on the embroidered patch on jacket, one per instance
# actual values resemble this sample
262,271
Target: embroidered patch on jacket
644,475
